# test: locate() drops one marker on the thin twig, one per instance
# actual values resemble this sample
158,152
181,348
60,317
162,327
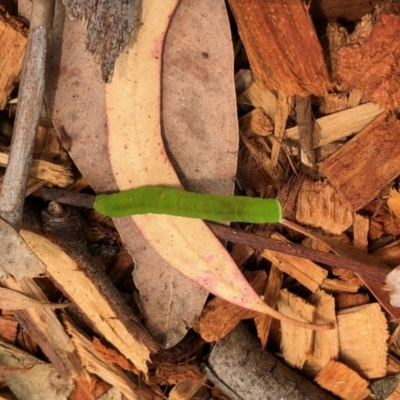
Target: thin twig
30,98
250,239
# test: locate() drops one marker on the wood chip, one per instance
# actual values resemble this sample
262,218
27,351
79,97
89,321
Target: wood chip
260,97
91,301
296,343
342,124
173,373
348,300
363,334
113,356
13,39
332,103
360,231
390,254
285,104
220,317
271,295
184,390
376,148
95,364
305,271
338,286
267,39
256,122
342,381
394,202
46,171
12,300
319,205
360,66
8,328
326,344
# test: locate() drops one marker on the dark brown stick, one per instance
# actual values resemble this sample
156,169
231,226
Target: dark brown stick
250,239
333,260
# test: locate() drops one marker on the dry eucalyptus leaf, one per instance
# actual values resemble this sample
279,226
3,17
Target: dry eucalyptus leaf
16,258
11,300
109,26
181,300
198,99
31,378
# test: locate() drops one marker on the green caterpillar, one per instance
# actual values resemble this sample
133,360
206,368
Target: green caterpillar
160,200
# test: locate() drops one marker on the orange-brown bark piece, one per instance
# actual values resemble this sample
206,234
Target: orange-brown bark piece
319,205
282,46
371,61
342,381
113,356
390,254
347,300
337,286
256,122
220,317
13,39
394,202
360,232
172,373
367,163
8,328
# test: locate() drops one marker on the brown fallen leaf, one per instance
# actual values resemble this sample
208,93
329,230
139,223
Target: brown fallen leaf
12,300
197,69
16,258
28,377
181,300
187,245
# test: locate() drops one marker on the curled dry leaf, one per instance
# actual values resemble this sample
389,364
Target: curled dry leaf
11,300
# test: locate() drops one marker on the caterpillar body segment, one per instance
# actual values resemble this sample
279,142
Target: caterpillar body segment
160,200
